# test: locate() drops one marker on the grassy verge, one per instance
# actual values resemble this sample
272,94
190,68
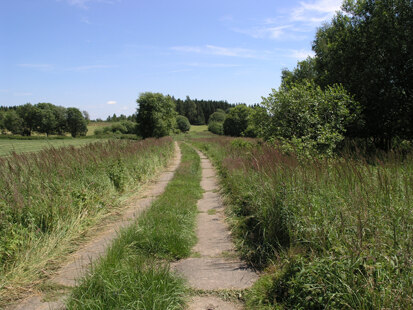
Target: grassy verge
135,273
50,199
329,234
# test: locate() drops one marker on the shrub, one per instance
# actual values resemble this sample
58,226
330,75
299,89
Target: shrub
216,128
183,123
237,120
303,116
218,116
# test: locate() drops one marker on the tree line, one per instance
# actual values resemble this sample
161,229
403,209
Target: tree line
198,111
43,118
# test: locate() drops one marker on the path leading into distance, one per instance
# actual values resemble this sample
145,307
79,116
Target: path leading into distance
79,262
214,265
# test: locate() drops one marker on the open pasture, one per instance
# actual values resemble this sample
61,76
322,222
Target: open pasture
7,146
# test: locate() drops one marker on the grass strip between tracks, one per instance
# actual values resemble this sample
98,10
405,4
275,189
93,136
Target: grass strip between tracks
135,272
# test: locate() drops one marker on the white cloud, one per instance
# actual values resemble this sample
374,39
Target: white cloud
265,32
111,102
218,50
316,11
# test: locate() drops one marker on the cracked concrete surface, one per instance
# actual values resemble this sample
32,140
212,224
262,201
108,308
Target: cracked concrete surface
217,268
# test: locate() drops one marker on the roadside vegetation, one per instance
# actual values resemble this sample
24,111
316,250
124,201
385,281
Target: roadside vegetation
49,199
135,273
328,233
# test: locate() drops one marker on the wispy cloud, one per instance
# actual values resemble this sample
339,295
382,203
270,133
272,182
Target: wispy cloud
91,67
271,32
315,11
292,25
219,50
43,67
111,102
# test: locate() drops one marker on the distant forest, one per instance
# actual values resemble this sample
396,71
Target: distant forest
198,111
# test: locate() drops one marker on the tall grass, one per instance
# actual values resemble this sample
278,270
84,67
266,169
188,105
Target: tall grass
49,198
135,273
333,234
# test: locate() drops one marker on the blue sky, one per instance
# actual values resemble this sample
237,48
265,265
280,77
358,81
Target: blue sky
98,55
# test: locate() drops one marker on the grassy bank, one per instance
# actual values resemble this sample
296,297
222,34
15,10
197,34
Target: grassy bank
329,234
49,199
135,274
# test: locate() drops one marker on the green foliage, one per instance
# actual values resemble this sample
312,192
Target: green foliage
368,49
216,128
197,111
183,123
305,72
13,122
117,175
76,123
156,115
306,118
218,116
135,273
236,121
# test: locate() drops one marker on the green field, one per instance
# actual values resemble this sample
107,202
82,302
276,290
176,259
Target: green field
92,126
198,128
23,146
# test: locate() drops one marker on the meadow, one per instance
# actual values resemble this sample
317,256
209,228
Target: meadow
8,146
326,233
51,198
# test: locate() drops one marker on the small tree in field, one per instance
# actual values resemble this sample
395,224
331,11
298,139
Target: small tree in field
156,115
76,123
183,123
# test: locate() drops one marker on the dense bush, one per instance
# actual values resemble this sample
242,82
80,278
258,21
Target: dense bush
124,127
237,120
156,115
216,128
183,123
218,116
307,119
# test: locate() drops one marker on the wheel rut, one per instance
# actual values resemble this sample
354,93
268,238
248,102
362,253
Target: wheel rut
80,262
214,265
